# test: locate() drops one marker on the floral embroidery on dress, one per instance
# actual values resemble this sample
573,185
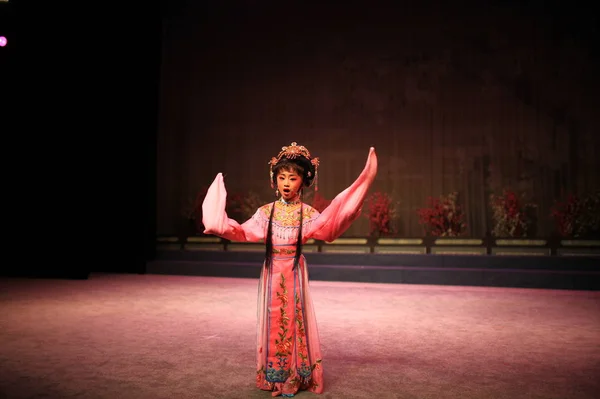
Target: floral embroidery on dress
288,216
304,369
313,385
259,374
284,343
285,221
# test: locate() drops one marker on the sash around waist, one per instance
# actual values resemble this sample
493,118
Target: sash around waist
284,249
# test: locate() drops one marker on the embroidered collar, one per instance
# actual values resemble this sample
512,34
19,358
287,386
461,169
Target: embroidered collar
289,203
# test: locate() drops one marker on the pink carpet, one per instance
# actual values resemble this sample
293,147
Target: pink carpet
156,336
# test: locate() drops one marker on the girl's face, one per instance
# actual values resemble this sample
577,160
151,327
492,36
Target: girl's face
289,184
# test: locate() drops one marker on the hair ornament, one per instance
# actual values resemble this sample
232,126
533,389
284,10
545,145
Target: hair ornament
294,151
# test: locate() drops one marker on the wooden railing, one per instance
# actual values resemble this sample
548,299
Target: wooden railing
410,245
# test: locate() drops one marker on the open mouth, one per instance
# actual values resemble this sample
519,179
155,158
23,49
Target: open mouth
286,190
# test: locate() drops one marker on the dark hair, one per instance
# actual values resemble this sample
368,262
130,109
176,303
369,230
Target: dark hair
300,165
269,240
306,169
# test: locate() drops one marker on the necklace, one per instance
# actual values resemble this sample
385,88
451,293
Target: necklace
289,203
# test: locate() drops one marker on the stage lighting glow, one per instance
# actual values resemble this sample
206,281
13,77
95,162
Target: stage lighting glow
3,41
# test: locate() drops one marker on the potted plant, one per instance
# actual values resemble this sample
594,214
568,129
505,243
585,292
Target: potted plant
512,215
380,210
443,217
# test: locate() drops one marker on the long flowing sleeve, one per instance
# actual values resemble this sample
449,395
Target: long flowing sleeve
346,206
217,222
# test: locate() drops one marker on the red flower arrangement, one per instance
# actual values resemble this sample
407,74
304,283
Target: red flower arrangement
316,200
443,217
192,211
588,221
319,202
565,215
510,214
241,207
578,217
380,212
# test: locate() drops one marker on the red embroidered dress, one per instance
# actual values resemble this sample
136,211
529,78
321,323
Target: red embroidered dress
288,353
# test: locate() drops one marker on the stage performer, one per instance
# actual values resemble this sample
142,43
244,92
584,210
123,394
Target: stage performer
288,354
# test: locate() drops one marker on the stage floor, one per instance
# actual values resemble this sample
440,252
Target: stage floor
164,336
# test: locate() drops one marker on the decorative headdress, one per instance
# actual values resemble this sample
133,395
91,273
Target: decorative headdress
294,151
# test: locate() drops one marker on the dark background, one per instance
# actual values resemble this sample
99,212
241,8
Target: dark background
123,113
472,97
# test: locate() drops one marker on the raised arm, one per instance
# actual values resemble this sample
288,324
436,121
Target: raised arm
346,206
217,222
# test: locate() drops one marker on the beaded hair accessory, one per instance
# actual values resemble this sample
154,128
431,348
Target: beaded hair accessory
294,151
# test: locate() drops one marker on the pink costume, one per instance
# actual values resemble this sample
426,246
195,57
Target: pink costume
288,354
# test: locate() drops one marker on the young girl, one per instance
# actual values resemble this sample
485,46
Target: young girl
288,354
